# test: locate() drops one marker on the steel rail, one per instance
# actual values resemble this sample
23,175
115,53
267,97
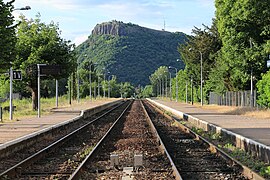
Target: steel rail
161,144
213,148
77,173
11,172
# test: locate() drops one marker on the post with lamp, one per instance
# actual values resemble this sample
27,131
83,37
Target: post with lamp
109,85
191,84
11,75
90,79
176,83
170,74
201,62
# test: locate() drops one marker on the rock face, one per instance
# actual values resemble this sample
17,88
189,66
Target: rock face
112,28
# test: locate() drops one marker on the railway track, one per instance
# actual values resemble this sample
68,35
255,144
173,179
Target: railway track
57,159
128,143
193,158
135,145
18,152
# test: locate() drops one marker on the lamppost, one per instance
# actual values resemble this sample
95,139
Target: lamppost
166,86
90,79
191,84
176,82
109,85
186,91
251,80
170,86
201,75
11,77
98,86
105,72
78,85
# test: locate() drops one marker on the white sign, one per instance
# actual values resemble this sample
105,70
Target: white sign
268,63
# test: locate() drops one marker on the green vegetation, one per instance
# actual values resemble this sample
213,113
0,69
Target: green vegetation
132,52
7,35
39,43
24,106
248,160
233,50
239,154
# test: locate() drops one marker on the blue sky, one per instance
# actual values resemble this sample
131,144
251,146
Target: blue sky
77,18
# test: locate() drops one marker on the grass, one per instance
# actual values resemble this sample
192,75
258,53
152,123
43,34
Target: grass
252,162
24,107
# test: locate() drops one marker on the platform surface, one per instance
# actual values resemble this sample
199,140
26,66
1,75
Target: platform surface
252,128
10,131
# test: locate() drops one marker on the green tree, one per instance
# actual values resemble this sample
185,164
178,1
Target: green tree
205,43
147,91
244,28
158,79
7,35
40,43
126,90
263,86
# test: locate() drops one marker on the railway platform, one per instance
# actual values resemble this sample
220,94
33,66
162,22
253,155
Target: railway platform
15,130
253,128
248,133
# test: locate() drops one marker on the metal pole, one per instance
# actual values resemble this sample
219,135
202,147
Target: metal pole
109,86
69,91
176,84
157,90
38,66
201,80
191,91
108,89
90,79
56,92
104,93
98,88
95,90
170,86
251,89
78,88
251,81
160,88
166,86
186,91
10,94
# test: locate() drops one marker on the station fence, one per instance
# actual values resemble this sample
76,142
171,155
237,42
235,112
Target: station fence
240,98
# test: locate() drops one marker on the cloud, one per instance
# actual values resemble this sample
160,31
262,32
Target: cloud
80,39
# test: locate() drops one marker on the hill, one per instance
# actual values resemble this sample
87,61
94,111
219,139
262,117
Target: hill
131,52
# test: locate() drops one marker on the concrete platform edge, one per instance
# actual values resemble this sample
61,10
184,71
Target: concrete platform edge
83,114
251,146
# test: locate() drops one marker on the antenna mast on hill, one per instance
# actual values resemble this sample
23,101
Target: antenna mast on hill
164,26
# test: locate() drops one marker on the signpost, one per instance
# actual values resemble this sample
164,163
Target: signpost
13,75
46,70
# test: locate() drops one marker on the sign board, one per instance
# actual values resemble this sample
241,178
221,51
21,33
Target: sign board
268,63
50,70
17,75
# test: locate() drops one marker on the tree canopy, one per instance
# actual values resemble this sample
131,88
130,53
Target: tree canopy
40,43
7,35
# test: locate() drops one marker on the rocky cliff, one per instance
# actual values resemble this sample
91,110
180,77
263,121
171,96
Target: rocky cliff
112,28
123,29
